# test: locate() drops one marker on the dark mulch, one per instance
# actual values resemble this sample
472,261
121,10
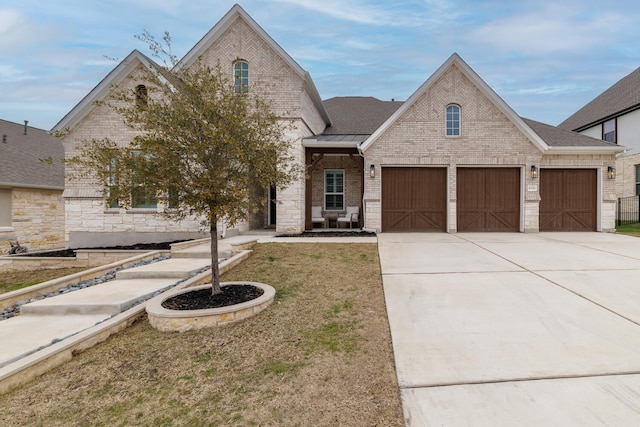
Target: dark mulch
345,233
202,299
72,252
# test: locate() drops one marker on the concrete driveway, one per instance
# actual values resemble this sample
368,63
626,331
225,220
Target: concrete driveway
515,329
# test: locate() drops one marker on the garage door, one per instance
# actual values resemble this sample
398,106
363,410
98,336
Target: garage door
568,199
414,199
488,199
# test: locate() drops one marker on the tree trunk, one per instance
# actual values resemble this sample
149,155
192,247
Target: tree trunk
215,268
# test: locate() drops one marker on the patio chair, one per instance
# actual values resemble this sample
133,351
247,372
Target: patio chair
317,217
352,215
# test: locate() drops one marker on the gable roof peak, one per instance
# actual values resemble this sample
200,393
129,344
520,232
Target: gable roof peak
485,89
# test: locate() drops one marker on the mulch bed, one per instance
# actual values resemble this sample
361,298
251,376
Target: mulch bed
202,299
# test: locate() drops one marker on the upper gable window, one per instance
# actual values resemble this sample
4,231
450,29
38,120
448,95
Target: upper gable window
609,130
453,120
241,76
141,96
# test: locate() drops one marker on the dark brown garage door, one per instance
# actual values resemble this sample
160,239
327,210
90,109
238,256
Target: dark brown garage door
414,199
568,199
488,199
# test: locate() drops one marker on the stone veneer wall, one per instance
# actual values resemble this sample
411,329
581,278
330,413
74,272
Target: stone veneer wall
37,218
626,175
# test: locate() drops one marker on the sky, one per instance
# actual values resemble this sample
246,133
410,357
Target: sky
545,58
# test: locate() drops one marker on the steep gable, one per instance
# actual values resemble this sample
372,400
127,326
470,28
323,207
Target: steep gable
238,37
99,93
427,105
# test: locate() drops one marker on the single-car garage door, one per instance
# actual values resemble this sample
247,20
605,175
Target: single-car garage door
568,199
414,199
488,199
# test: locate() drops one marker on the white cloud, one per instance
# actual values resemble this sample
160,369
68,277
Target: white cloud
551,28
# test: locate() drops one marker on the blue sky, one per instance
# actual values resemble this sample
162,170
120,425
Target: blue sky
545,58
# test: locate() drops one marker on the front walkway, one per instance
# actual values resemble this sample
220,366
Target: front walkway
515,329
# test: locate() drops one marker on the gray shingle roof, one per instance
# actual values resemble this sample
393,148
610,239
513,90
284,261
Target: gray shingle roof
556,137
21,157
619,98
357,115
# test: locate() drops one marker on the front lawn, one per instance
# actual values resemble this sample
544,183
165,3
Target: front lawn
629,229
320,355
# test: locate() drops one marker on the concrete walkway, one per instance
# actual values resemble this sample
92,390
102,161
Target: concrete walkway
47,322
515,329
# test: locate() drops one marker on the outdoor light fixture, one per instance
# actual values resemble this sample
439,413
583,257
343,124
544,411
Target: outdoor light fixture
372,171
534,171
611,172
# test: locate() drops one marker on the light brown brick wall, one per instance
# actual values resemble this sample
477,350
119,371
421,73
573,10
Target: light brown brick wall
85,208
488,138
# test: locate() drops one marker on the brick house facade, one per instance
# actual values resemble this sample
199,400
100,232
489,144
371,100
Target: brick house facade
367,142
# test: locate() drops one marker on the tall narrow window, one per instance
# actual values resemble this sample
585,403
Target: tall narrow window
241,76
334,189
453,120
609,130
637,180
141,196
112,200
141,96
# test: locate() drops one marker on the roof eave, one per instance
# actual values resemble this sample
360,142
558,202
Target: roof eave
314,143
587,150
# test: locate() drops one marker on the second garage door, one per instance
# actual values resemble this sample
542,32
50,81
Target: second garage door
414,199
488,199
568,199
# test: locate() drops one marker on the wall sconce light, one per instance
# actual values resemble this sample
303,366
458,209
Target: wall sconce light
372,171
534,172
611,172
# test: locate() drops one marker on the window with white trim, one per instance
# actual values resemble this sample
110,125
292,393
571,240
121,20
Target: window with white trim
334,189
241,76
609,130
453,120
637,180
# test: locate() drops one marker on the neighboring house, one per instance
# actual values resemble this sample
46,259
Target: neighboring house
453,157
614,116
31,185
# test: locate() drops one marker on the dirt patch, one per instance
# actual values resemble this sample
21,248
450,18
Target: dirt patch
202,299
320,355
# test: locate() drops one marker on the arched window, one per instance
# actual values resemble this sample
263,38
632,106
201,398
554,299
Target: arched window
141,96
453,120
241,76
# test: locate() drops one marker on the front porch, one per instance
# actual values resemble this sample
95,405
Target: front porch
334,186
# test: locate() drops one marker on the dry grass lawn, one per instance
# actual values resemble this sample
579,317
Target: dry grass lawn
13,280
320,355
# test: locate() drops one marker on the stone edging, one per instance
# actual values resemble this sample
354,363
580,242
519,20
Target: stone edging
184,320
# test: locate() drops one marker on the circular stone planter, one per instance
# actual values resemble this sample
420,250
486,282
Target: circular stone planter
165,319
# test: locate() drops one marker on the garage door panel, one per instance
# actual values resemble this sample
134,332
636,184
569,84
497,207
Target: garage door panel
488,199
414,199
568,200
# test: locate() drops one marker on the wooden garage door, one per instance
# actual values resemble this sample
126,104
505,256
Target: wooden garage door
488,199
568,199
414,199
